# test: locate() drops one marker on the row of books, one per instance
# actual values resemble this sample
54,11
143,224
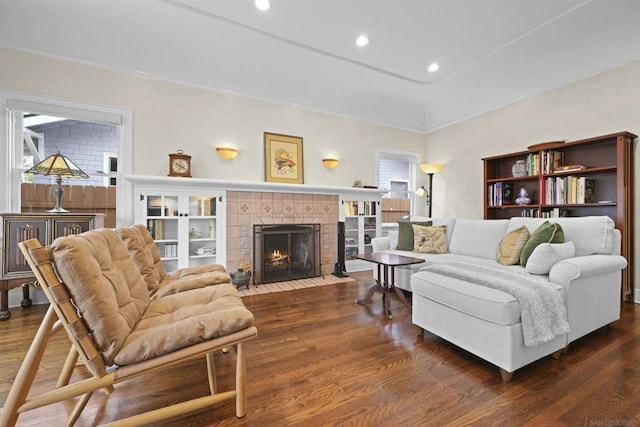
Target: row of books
529,213
206,207
555,213
532,162
156,228
568,190
351,208
552,160
500,194
170,250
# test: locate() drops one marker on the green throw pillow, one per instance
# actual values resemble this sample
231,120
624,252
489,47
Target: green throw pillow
548,232
405,234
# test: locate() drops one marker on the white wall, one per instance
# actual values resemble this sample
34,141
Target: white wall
600,105
169,116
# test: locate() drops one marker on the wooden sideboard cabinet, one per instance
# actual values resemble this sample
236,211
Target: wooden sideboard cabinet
16,227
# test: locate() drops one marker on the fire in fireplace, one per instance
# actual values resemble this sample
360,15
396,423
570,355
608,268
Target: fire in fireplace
286,252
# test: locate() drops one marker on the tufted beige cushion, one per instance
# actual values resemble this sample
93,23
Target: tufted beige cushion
126,325
511,245
146,257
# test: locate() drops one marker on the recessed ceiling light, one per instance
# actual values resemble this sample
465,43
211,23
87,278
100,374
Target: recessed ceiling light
262,4
433,67
362,40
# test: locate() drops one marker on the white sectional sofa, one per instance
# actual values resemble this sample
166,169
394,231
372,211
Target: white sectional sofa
486,321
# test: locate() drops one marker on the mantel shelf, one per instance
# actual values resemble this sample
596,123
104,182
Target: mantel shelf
166,182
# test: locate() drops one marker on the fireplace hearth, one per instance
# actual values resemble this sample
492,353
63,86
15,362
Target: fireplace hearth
286,252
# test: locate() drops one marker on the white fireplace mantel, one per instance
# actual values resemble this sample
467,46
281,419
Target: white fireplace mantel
176,183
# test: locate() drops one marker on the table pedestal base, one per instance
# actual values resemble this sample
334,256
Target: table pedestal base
385,286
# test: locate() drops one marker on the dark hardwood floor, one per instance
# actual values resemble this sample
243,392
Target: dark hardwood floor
321,359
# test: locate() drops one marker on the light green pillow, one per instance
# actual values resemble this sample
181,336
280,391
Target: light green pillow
405,234
548,232
510,247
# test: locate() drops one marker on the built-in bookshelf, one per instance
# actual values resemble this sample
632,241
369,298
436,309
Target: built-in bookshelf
592,176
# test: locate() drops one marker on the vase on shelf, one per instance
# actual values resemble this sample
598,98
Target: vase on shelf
523,197
519,168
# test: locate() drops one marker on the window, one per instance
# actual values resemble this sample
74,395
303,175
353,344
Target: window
398,171
110,167
14,105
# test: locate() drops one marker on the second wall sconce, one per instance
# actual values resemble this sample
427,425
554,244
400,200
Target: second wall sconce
330,163
227,153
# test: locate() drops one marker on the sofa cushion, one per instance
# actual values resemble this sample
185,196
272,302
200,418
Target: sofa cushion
548,232
545,255
432,240
405,234
589,234
511,245
477,237
478,301
393,239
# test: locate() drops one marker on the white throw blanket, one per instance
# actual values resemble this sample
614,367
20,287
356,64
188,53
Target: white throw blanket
542,310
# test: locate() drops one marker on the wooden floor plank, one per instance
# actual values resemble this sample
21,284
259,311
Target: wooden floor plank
321,359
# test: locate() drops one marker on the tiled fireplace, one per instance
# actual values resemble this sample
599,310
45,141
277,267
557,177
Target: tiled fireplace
246,209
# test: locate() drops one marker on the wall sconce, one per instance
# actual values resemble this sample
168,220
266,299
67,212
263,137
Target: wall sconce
227,153
429,169
330,163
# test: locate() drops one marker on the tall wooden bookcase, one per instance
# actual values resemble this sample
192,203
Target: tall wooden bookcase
604,162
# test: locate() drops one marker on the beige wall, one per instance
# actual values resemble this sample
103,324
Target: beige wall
600,105
168,116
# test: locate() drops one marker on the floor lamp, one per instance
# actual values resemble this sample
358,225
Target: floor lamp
430,169
59,166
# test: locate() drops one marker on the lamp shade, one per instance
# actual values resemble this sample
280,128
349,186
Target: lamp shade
421,192
227,153
431,167
59,166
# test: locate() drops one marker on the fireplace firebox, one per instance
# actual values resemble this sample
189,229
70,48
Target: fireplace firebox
286,252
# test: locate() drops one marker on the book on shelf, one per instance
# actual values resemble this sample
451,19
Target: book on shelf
586,188
569,168
507,193
552,160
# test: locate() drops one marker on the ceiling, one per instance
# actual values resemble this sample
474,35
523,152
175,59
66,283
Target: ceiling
303,52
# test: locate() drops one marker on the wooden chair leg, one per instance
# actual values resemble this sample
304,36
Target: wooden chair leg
241,382
77,410
211,373
26,374
67,369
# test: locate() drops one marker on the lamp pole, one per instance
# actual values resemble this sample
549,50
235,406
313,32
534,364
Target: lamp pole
429,194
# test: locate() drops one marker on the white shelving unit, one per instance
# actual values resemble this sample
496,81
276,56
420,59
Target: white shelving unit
188,227
361,218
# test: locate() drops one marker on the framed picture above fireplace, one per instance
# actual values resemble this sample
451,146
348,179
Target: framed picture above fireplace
283,159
